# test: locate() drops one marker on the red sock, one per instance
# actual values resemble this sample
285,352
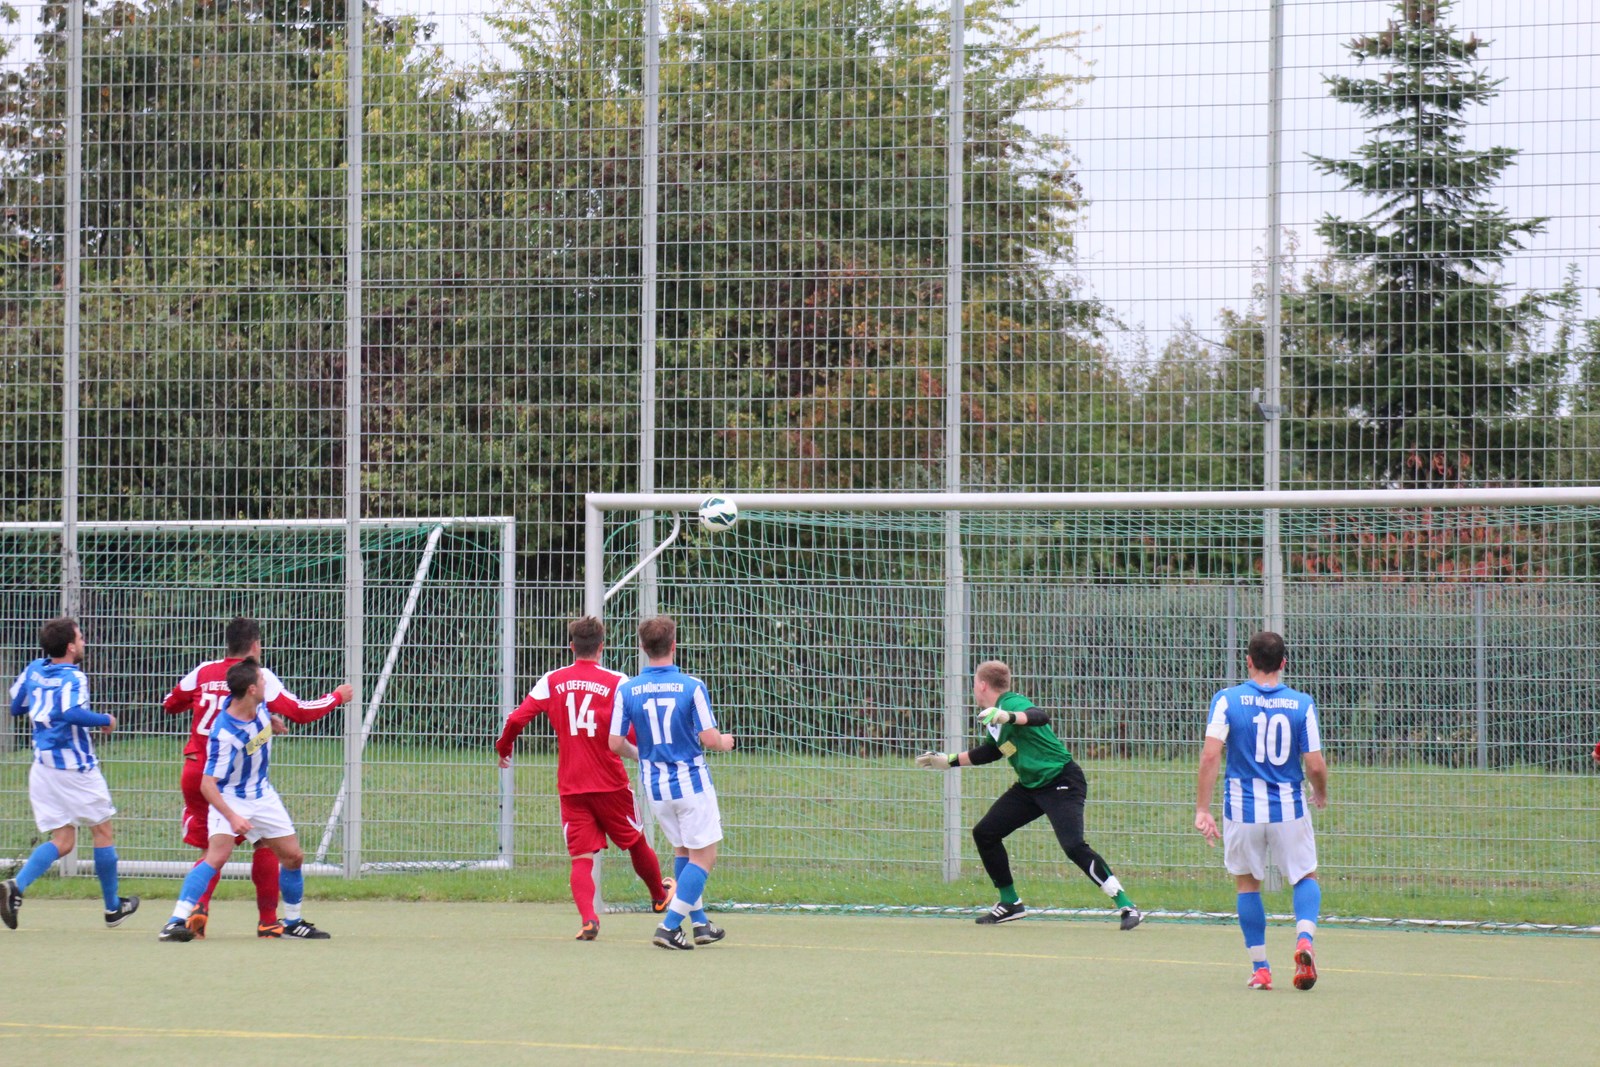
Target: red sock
264,873
648,868
205,898
583,887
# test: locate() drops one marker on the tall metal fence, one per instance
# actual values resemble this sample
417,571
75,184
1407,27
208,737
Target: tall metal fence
383,260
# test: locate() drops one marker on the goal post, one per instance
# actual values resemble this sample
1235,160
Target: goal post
439,618
823,624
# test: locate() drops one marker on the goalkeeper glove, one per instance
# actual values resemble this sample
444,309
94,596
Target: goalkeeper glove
995,717
938,761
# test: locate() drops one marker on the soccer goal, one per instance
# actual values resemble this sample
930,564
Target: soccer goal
1448,636
438,659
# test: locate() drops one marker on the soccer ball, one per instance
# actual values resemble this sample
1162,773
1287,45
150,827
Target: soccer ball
718,514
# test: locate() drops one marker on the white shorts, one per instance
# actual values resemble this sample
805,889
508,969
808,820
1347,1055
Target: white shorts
691,821
268,817
68,798
1293,846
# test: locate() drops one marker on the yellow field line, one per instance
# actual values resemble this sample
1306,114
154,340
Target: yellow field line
66,1030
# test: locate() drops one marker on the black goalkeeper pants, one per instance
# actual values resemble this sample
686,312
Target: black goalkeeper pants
1061,801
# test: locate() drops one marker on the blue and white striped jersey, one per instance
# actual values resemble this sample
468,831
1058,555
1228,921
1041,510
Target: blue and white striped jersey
55,697
1265,731
667,710
238,753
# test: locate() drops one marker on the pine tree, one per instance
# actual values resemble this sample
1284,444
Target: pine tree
1420,374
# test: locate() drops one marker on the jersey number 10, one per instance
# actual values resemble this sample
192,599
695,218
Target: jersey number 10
1272,739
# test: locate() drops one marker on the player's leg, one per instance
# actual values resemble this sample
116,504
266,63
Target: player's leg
265,874
196,832
1244,852
1013,810
670,815
581,831
1295,845
62,838
291,879
618,819
218,852
1063,802
118,907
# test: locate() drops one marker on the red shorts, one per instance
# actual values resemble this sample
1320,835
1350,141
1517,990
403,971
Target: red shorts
587,819
196,812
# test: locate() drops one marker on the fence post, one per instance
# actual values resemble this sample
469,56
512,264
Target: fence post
1271,404
72,318
354,582
1480,670
955,651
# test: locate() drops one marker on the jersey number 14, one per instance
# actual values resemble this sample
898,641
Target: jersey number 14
581,716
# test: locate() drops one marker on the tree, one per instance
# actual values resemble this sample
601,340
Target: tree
1422,374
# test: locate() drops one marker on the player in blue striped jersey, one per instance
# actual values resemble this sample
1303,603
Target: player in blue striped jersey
1275,774
670,715
65,785
244,805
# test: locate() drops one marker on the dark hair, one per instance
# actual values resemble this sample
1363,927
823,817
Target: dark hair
657,635
1266,652
57,635
242,675
586,635
996,675
241,633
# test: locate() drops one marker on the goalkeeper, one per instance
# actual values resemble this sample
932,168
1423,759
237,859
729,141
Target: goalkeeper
1049,783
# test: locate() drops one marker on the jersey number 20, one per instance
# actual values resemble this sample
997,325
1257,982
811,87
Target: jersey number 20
1272,739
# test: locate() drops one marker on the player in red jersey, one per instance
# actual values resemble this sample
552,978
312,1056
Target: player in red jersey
596,797
201,693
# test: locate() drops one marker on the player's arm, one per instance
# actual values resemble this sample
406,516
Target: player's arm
714,740
515,723
1317,774
988,752
181,699
1205,785
1031,717
282,702
711,738
79,713
19,704
208,789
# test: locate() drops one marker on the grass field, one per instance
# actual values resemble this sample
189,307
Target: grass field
1397,841
404,983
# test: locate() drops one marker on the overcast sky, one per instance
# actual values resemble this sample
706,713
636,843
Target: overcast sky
1170,136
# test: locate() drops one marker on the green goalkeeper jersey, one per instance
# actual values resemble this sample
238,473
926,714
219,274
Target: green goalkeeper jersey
1034,752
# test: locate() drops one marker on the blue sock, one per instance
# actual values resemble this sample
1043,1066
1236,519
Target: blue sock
194,884
1307,907
691,884
1253,924
37,864
292,884
105,869
698,915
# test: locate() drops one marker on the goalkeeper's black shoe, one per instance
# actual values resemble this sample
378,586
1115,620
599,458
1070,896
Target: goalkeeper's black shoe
673,938
300,930
176,930
708,933
1002,913
1131,917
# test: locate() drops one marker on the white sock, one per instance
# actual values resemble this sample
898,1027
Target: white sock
1111,887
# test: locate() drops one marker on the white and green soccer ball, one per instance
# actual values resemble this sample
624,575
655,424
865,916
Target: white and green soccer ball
718,514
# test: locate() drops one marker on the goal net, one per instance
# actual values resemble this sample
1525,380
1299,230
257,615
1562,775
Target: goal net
437,662
1450,649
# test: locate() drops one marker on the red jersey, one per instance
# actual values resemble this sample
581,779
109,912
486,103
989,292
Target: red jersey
200,692
579,700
